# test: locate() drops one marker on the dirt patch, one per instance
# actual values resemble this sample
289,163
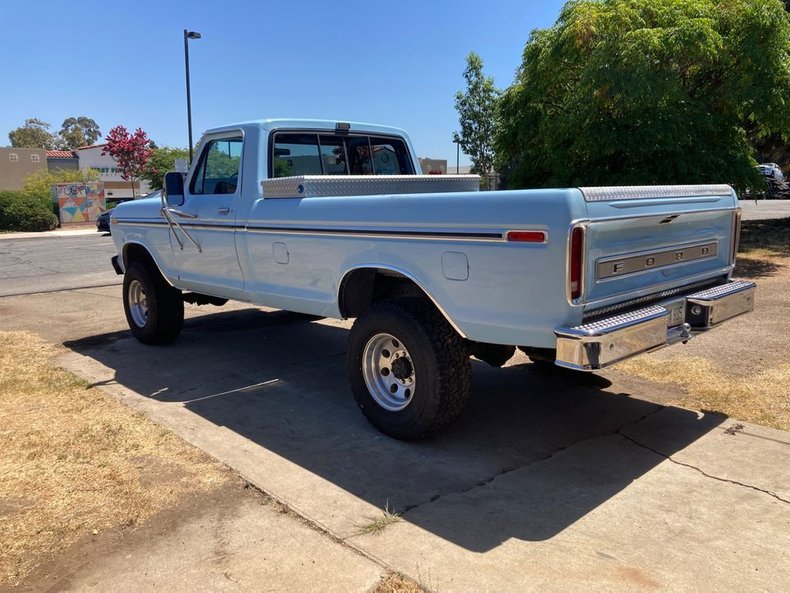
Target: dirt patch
760,397
76,464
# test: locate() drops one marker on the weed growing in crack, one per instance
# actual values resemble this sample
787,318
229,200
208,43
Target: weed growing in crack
375,525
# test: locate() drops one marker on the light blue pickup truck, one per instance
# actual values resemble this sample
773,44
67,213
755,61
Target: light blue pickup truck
334,219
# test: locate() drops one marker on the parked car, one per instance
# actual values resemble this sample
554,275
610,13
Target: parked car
772,171
103,221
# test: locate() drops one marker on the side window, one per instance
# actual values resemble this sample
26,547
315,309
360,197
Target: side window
295,154
218,171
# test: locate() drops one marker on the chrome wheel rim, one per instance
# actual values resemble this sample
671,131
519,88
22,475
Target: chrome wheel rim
138,304
389,372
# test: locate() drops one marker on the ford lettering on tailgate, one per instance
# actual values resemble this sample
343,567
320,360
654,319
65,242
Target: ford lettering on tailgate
621,266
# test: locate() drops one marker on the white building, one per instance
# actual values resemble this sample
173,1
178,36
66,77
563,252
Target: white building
90,157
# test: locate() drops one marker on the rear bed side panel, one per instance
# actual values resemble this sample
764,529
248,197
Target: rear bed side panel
514,293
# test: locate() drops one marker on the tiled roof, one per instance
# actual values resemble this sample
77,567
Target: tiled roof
61,154
93,146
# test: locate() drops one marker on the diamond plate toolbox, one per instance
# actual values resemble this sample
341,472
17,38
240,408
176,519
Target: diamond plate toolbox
323,186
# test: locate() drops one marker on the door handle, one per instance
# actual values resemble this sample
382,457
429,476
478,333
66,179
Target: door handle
223,210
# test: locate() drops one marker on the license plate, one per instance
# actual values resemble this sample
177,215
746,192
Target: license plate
677,313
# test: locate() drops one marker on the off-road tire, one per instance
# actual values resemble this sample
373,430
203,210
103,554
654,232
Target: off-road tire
440,361
165,306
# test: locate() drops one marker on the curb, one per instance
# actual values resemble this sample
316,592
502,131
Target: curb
56,234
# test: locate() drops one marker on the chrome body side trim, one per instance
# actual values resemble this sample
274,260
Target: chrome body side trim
479,236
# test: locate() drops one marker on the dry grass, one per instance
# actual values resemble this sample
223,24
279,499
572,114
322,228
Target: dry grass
760,398
375,525
765,238
397,583
75,463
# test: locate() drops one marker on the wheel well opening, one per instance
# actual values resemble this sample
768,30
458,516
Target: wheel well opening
365,286
134,252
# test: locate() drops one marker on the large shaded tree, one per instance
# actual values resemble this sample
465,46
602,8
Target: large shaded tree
476,106
647,91
34,134
79,131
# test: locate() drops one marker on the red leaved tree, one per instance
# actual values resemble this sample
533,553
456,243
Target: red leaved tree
130,151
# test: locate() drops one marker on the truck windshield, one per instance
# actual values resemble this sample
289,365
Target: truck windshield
329,154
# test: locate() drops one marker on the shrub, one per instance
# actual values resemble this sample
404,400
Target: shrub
20,212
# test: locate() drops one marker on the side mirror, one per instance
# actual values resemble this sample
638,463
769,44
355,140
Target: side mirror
174,189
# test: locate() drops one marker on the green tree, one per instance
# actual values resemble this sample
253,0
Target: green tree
162,160
79,131
34,134
476,109
647,91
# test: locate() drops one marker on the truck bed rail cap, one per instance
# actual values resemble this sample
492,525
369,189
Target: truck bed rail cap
639,192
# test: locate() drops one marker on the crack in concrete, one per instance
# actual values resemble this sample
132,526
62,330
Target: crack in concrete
703,472
508,470
49,291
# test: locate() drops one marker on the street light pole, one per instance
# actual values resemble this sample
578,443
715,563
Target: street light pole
187,36
457,158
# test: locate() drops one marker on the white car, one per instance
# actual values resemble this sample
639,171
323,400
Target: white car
772,171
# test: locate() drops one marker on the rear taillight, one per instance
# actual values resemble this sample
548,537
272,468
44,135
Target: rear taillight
575,261
736,235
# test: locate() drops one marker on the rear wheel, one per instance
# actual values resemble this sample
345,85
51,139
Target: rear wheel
154,309
409,370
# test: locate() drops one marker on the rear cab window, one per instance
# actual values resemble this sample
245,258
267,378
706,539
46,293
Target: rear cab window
324,153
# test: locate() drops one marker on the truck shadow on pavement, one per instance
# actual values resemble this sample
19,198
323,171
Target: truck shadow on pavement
532,454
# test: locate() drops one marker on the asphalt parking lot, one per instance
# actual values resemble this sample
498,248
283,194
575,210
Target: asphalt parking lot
765,209
544,484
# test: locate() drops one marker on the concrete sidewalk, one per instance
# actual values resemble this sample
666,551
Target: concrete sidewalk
241,542
576,490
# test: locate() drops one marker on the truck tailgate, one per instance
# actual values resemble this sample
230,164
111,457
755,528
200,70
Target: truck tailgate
644,240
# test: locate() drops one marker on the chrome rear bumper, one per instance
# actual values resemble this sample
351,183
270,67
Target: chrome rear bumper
602,343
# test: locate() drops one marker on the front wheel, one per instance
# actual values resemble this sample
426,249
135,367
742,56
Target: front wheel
409,370
154,309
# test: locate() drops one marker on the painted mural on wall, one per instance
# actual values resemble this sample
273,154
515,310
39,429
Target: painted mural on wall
79,202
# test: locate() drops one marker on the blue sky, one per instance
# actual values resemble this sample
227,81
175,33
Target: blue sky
396,63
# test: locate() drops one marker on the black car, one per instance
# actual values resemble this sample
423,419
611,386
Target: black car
103,222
